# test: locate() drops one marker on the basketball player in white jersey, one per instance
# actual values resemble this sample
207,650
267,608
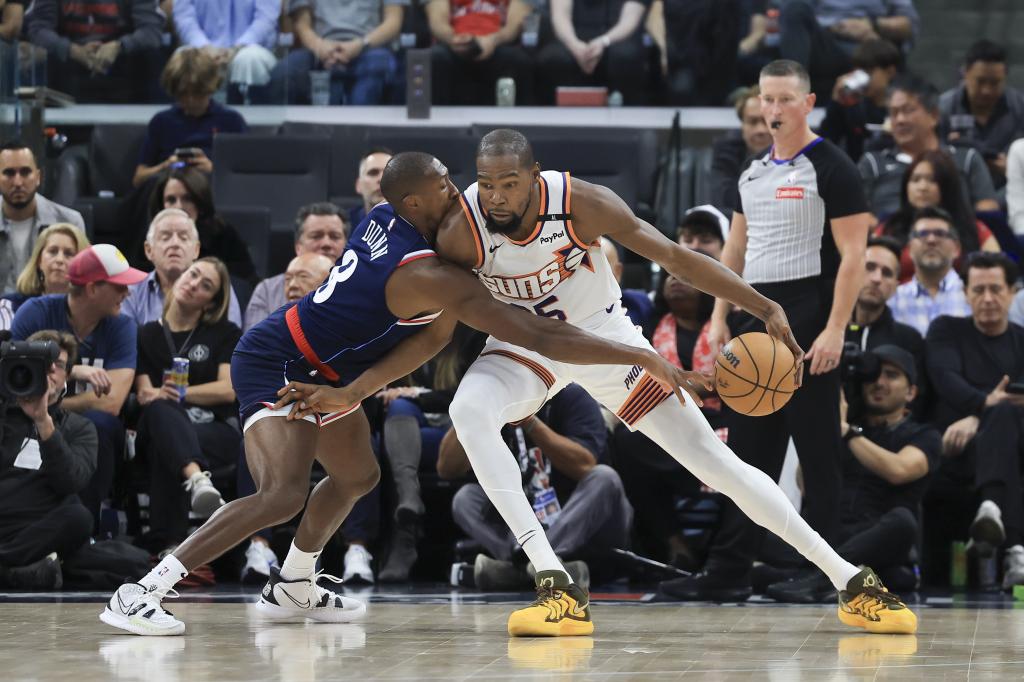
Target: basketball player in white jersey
532,238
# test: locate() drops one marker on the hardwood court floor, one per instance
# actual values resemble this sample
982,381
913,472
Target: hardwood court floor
450,639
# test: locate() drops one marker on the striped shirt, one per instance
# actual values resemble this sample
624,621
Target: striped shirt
913,305
788,204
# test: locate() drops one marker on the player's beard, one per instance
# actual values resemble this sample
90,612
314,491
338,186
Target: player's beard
508,228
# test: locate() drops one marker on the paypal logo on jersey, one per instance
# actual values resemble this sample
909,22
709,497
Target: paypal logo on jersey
339,273
550,239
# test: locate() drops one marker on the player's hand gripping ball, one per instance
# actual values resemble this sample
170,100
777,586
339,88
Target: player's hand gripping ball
755,374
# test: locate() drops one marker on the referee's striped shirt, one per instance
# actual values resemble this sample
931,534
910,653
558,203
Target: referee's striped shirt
788,204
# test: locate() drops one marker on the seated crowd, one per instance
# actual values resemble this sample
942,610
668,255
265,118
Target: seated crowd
127,445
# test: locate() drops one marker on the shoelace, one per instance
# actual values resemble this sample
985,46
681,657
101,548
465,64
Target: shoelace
874,599
191,482
152,598
551,599
321,591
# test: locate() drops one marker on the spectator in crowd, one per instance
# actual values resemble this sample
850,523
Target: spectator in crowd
704,228
914,115
982,110
47,269
304,274
873,323
729,153
172,245
636,302
415,422
936,289
238,34
972,362
823,34
12,14
104,51
931,180
23,211
319,229
47,455
578,498
189,190
859,101
1017,308
597,44
697,41
885,462
191,77
475,44
350,40
368,183
100,380
184,433
1015,186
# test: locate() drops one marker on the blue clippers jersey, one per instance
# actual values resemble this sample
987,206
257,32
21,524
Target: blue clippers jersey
343,327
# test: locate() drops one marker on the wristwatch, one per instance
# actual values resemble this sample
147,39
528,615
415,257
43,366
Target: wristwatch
852,432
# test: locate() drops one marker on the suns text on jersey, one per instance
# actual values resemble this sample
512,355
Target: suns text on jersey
538,283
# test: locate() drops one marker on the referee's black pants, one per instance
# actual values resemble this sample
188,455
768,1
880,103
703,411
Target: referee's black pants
811,418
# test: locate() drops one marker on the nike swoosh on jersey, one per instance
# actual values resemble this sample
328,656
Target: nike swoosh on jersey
492,249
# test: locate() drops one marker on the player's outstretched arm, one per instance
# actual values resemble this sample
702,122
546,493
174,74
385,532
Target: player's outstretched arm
435,284
402,360
594,205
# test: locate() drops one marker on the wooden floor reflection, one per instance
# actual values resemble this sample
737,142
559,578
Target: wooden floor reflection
449,641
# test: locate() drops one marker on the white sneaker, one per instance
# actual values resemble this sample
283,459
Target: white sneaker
1013,567
259,559
135,609
357,565
987,530
303,598
206,499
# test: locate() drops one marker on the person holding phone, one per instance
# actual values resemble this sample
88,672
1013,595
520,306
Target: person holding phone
976,365
182,136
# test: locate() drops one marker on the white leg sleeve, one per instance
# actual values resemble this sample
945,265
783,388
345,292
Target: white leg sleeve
684,433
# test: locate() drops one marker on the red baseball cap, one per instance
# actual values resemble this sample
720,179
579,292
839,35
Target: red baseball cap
103,263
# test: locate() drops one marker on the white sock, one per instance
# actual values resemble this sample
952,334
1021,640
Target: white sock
299,564
685,434
164,575
477,417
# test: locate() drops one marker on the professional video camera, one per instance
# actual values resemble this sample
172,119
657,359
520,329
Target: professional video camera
856,368
24,366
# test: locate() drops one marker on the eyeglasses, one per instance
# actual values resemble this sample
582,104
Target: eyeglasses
938,234
886,271
61,365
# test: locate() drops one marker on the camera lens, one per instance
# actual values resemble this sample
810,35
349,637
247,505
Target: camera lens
19,379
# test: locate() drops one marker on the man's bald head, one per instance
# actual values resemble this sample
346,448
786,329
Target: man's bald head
305,273
404,173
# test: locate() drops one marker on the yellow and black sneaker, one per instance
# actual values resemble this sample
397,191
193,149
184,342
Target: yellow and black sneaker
865,603
562,608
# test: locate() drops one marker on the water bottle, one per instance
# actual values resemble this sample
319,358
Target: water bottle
320,88
615,99
505,92
179,370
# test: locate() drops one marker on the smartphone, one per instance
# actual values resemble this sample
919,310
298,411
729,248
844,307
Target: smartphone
1017,388
186,153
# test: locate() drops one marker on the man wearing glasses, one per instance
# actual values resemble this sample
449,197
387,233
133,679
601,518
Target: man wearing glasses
936,289
23,212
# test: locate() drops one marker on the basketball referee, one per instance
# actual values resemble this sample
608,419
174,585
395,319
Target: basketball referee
798,237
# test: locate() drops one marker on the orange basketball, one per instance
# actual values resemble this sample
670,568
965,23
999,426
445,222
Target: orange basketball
754,374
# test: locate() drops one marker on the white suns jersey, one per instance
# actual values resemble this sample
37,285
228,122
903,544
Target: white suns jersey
551,272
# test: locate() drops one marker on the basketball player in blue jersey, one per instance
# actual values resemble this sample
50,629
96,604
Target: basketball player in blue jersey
388,286
532,238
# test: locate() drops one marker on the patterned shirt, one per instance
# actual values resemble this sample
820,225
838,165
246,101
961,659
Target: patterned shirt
913,305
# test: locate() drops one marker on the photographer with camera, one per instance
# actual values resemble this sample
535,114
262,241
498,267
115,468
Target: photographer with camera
885,468
47,455
873,323
976,365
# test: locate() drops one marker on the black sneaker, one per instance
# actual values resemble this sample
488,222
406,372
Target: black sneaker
44,574
707,587
810,588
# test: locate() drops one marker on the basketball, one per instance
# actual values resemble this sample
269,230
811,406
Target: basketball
754,374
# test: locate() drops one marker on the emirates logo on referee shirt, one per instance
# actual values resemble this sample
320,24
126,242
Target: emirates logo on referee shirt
789,193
